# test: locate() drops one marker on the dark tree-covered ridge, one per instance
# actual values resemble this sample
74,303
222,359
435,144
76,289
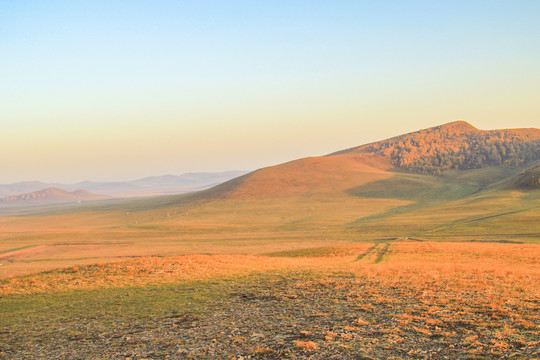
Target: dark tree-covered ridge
457,145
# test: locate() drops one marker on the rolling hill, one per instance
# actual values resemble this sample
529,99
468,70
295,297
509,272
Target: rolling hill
313,175
22,187
448,152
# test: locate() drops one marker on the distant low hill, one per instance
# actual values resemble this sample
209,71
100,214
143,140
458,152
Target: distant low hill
156,185
22,187
50,195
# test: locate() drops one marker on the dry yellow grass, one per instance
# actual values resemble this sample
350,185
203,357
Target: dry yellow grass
152,270
501,271
398,298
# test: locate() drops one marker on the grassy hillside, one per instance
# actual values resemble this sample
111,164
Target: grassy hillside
308,176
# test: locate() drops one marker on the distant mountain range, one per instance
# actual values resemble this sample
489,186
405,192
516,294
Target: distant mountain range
49,196
155,185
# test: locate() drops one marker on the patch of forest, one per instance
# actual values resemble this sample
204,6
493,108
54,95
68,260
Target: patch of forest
442,148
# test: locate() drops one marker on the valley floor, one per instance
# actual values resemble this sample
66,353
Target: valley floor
389,300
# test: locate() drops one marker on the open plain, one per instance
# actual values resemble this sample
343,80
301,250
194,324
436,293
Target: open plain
346,256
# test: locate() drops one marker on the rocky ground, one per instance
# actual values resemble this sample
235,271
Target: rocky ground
298,316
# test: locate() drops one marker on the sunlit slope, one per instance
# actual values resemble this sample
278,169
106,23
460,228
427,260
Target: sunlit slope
304,195
308,176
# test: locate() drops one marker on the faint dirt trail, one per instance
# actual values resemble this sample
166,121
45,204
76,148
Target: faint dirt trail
22,252
466,221
501,214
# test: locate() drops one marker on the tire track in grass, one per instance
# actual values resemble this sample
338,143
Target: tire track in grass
367,252
374,254
382,252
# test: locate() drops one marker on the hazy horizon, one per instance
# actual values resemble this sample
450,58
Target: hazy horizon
128,179
109,92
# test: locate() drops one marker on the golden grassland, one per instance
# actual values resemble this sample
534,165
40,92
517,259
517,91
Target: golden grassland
420,263
317,201
30,244
396,299
510,266
152,270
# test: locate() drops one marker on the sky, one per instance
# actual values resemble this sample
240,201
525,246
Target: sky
119,90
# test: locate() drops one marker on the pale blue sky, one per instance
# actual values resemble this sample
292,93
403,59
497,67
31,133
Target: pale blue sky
105,90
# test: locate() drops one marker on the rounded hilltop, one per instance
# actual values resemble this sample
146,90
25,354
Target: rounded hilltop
458,125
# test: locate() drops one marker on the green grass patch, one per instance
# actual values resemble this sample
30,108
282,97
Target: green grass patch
400,186
37,318
113,303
